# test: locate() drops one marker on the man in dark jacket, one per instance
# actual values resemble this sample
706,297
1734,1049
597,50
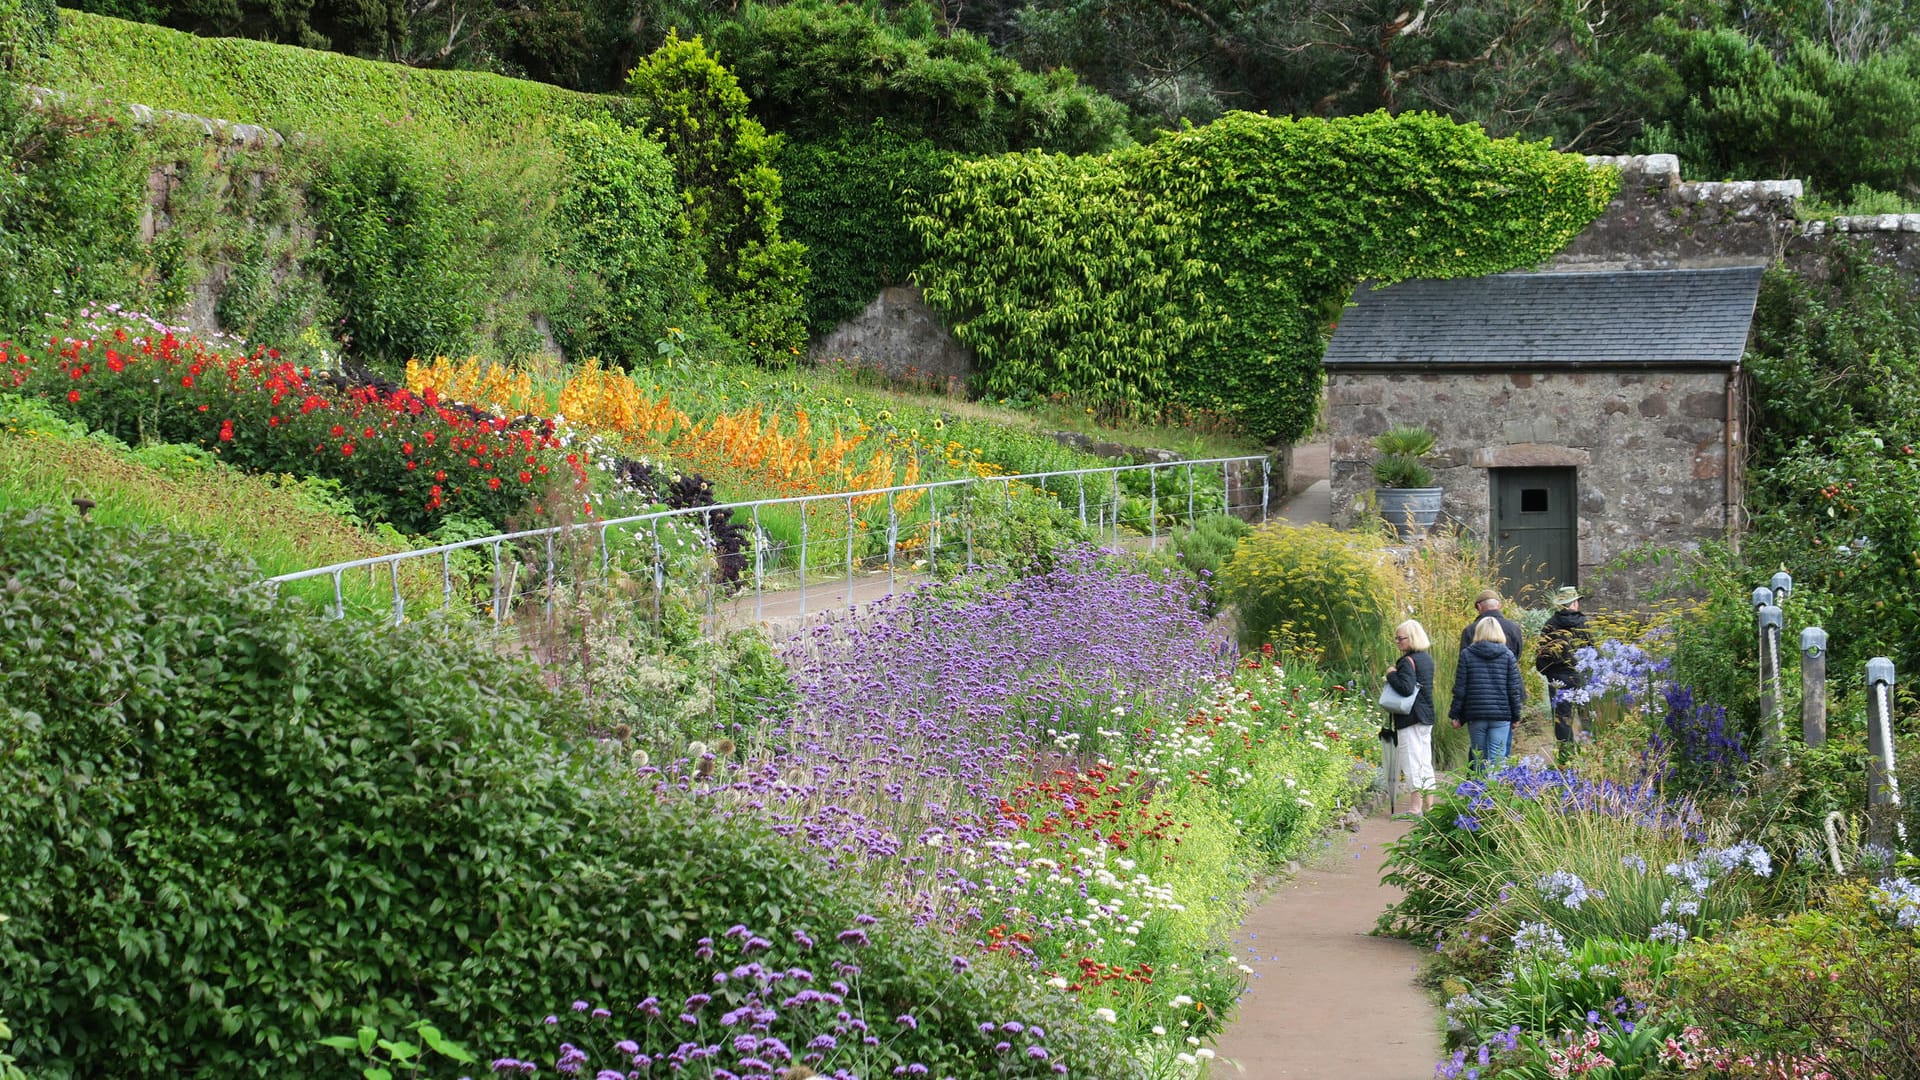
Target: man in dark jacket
1564,635
1487,606
1487,696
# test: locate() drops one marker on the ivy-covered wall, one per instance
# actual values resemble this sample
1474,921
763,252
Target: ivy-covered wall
1203,272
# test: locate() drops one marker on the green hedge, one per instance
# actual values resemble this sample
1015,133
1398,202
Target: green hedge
292,89
1204,271
229,828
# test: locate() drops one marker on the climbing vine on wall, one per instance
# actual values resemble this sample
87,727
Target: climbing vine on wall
1205,270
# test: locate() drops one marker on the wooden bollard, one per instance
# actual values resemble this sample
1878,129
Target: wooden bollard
1813,686
1769,621
1883,783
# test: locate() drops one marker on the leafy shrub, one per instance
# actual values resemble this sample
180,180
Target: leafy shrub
1313,588
618,216
395,257
1203,270
228,830
815,67
25,26
1836,980
723,161
69,211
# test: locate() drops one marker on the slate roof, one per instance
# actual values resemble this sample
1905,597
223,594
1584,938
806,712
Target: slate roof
1690,318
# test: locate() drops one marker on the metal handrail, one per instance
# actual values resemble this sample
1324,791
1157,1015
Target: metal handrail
655,519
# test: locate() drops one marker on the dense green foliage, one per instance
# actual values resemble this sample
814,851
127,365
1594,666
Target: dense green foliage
848,197
394,262
619,213
293,90
228,829
817,68
723,160
1836,980
69,219
1835,359
1204,270
455,210
1315,592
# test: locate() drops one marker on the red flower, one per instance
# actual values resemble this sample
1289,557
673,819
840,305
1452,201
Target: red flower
440,474
367,434
114,362
338,431
346,450
411,465
73,395
186,381
203,408
430,436
493,482
406,448
226,431
526,477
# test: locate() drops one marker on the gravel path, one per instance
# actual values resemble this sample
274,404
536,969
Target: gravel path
1327,1001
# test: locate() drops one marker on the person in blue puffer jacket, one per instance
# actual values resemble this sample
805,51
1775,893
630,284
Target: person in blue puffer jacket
1487,695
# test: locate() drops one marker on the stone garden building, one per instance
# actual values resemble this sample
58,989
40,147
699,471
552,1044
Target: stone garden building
1578,413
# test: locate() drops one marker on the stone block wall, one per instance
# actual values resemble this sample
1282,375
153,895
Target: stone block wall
1651,450
901,337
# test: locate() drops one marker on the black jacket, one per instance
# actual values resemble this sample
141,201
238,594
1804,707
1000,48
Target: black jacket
1507,626
1565,633
1486,685
1414,669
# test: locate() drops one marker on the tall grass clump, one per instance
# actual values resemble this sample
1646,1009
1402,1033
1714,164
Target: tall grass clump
1315,591
1590,858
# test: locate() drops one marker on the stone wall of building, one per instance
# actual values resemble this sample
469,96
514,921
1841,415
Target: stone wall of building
1651,449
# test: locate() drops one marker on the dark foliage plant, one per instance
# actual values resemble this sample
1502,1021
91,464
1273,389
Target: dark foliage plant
848,196
229,829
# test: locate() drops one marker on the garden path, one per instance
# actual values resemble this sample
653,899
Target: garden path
1329,1002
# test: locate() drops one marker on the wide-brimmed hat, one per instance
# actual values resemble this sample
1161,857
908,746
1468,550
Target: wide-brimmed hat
1486,595
1564,595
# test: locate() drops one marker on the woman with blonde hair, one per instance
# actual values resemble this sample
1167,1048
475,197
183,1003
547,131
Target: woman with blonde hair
1411,759
1487,695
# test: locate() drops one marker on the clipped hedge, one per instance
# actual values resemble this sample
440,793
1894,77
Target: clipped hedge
228,829
1204,271
292,89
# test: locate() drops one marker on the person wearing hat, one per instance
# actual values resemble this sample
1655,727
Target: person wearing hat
1561,640
1487,606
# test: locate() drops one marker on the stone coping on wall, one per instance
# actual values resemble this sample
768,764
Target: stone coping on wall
146,115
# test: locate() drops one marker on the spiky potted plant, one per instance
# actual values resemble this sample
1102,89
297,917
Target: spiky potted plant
1403,484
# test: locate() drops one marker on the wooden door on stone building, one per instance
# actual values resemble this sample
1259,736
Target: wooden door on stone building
1535,528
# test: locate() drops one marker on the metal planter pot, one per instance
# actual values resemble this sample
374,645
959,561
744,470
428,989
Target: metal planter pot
1410,512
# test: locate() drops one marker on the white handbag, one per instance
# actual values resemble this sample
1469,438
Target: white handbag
1396,702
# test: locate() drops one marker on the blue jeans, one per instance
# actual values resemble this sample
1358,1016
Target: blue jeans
1490,740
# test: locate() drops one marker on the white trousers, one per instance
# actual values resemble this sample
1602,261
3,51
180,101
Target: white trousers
1410,761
